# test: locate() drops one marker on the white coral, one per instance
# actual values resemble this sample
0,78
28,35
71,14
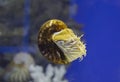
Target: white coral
52,74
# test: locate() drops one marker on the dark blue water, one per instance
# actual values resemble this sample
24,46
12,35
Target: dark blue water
101,21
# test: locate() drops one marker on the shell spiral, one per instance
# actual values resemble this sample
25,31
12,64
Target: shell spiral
46,45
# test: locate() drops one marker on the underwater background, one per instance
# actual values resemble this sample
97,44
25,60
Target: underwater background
101,19
20,59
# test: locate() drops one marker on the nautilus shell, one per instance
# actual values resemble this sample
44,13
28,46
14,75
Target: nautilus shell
59,44
18,69
17,73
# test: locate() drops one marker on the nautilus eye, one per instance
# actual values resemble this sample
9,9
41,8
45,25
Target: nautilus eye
59,44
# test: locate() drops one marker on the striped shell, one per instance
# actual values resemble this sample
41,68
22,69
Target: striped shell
17,73
58,43
18,69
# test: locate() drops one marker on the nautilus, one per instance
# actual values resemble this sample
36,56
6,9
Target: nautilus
18,69
59,44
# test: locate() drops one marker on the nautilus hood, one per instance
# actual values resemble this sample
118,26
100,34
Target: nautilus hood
70,44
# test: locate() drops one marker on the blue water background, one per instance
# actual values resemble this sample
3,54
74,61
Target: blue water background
101,21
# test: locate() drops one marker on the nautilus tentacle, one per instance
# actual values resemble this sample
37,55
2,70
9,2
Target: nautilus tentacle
71,45
58,43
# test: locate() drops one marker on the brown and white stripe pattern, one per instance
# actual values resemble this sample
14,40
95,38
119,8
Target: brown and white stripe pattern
47,47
